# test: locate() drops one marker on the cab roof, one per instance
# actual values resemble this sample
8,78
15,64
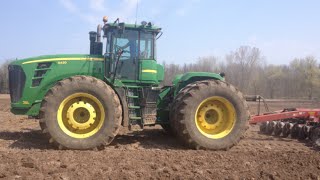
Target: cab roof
148,26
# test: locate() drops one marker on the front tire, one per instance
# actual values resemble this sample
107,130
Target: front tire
210,114
81,112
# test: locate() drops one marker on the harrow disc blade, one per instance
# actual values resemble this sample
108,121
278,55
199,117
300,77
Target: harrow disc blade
304,132
295,131
263,127
278,128
270,127
286,129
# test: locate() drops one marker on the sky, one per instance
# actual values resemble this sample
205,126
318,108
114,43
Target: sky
282,30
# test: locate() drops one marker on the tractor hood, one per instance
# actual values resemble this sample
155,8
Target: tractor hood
57,58
31,78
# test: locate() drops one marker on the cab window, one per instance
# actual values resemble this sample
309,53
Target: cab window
146,46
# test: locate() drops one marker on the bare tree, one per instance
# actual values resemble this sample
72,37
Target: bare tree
308,72
242,64
4,79
246,69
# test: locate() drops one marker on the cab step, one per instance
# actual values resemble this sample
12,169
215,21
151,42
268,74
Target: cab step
134,107
135,118
131,96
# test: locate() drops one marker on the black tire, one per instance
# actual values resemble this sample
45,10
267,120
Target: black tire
95,88
173,110
185,108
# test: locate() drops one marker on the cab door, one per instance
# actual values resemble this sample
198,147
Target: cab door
147,63
127,68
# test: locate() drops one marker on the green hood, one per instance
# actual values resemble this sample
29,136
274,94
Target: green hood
57,57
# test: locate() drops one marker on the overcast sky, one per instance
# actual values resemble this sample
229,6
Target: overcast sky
192,28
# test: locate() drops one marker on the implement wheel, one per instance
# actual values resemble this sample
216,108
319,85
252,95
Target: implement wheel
81,113
210,114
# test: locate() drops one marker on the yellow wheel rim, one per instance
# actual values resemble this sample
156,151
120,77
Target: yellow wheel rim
80,115
215,117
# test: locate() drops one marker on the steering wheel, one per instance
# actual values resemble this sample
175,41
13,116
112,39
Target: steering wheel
143,54
117,48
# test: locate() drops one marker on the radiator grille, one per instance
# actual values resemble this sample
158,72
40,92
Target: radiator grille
17,79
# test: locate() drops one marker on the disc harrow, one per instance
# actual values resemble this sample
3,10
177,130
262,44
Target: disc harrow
297,123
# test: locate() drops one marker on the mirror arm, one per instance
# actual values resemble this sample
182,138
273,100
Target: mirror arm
120,52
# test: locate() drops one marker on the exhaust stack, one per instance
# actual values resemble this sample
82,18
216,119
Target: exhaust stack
92,38
95,42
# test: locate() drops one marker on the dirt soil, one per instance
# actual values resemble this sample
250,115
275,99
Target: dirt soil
152,154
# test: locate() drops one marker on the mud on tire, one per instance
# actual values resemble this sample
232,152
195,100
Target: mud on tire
92,87
186,105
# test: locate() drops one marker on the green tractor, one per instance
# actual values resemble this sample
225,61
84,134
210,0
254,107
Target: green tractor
81,101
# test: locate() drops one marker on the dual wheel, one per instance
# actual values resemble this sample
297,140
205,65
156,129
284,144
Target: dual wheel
209,114
81,112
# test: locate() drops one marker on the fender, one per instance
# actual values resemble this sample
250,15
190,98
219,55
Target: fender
180,81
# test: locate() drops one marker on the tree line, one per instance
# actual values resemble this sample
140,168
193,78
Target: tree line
4,78
247,69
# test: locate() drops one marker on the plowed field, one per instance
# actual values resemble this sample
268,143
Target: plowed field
152,154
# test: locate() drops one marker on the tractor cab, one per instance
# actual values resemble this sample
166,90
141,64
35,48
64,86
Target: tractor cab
130,52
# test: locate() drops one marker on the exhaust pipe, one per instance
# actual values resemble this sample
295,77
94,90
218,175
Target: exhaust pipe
99,33
95,41
92,38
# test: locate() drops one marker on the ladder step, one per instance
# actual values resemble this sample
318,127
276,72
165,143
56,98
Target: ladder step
134,107
129,96
135,118
133,86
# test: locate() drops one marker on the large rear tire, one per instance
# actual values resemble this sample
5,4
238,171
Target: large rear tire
81,112
210,114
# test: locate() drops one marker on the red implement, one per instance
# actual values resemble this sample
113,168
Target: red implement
298,113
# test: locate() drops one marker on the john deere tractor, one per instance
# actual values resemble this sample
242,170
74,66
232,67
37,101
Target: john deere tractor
81,101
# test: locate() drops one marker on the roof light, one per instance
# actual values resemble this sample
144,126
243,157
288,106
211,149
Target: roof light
105,19
143,23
